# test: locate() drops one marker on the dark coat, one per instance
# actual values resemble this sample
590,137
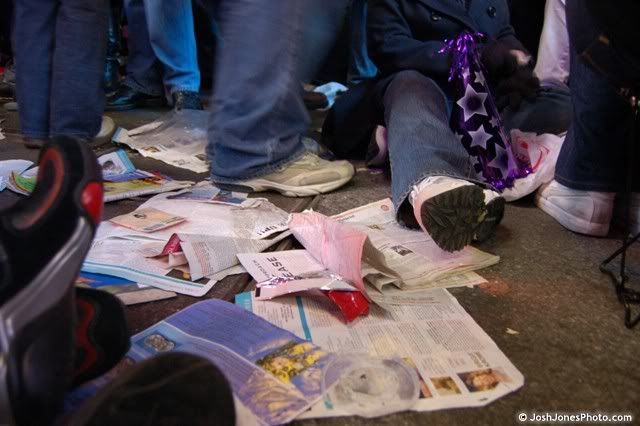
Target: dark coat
407,35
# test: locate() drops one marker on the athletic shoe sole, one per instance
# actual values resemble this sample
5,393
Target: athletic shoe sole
495,213
571,222
452,218
262,185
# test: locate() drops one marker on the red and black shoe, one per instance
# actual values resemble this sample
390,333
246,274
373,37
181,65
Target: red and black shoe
43,241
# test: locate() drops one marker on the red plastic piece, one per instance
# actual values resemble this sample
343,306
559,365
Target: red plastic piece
352,304
91,200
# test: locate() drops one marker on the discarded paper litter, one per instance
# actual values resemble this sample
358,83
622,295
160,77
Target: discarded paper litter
457,363
178,138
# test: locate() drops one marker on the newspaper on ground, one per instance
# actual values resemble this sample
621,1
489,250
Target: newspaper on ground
147,220
122,258
208,255
412,255
209,240
121,179
7,167
178,138
129,292
458,364
260,220
301,268
274,375
205,192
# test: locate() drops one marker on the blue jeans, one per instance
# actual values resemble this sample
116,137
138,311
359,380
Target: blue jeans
592,157
60,49
162,47
258,116
422,144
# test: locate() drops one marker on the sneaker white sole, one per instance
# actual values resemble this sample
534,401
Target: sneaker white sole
571,222
261,185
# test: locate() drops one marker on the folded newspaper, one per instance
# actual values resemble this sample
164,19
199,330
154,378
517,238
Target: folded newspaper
121,179
457,362
412,255
303,272
209,240
274,375
178,138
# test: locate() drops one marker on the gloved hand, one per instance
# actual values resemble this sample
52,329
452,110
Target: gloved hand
498,60
522,84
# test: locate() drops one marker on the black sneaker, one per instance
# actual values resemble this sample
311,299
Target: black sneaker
44,239
126,98
449,210
102,335
186,100
169,389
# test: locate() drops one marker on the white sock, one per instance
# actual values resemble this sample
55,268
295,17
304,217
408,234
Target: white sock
436,185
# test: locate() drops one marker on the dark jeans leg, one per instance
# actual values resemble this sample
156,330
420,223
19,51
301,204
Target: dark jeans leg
258,117
549,112
592,156
77,96
34,43
421,143
144,70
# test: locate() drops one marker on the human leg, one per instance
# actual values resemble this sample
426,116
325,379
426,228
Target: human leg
34,37
590,166
77,96
172,38
258,118
430,169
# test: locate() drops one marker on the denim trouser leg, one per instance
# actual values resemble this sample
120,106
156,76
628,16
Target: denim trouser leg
257,117
144,71
549,112
361,66
77,95
34,36
60,54
593,155
173,40
421,143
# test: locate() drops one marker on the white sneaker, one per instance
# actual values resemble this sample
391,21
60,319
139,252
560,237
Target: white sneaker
107,129
584,212
306,176
449,210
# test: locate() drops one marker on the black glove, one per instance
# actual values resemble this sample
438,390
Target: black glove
498,60
522,84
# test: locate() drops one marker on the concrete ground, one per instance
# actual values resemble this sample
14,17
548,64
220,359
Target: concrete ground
572,347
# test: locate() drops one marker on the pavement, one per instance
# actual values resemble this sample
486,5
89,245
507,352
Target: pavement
571,344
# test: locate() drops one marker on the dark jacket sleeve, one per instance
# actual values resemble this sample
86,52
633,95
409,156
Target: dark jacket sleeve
393,48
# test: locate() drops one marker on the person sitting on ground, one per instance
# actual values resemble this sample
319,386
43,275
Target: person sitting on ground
432,183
